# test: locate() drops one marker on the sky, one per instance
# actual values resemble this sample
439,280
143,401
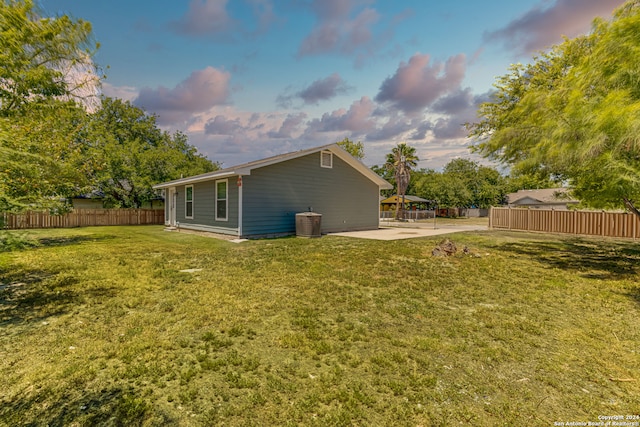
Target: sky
249,79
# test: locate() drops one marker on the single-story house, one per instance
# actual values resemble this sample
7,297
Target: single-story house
546,198
261,198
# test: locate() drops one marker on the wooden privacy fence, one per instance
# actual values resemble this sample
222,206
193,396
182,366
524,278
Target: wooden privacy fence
590,223
82,218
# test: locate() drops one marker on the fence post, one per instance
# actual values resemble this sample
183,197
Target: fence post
490,217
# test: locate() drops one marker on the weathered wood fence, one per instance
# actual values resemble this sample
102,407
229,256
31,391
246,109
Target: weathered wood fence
82,218
590,223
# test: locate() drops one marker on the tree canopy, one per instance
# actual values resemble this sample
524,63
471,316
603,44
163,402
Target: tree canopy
51,148
574,114
462,183
356,149
130,154
36,53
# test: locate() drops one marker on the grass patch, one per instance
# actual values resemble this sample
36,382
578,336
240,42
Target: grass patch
100,326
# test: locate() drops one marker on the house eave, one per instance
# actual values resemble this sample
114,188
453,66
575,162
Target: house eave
195,179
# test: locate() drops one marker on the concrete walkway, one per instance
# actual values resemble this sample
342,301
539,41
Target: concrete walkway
408,231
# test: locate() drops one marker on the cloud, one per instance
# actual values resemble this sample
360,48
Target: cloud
459,108
358,118
541,27
324,89
126,93
336,30
320,90
204,18
394,127
220,125
264,15
199,92
454,102
416,84
291,124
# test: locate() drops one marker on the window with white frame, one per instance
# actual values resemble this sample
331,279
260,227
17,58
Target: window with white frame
188,202
222,199
326,159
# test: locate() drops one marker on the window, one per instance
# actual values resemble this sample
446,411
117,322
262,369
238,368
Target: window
326,159
188,202
221,200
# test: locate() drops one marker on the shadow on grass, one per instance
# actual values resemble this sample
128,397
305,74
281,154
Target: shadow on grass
116,407
603,260
73,240
32,295
634,294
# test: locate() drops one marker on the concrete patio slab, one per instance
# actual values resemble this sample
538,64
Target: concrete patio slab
406,232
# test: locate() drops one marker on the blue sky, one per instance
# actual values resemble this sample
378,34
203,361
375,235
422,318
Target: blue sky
247,79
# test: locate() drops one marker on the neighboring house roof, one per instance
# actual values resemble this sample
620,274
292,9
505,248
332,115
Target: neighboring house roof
407,198
94,194
246,168
542,196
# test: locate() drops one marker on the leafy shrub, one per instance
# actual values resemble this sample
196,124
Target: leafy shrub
12,241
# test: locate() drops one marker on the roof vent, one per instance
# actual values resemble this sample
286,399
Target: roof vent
326,159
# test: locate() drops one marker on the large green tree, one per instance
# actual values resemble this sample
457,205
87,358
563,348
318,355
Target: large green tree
129,153
38,153
462,183
36,54
51,148
42,158
574,114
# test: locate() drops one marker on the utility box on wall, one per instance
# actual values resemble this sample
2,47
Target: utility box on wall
308,224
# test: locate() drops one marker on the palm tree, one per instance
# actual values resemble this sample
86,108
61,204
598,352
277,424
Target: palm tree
401,160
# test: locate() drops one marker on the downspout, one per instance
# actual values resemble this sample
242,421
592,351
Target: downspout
239,206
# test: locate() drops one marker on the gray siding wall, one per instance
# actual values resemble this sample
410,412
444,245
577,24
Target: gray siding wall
272,195
204,213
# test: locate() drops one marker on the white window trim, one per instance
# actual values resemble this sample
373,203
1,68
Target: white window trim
226,201
322,164
187,201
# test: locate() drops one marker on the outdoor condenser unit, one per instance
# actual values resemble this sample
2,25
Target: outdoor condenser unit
308,224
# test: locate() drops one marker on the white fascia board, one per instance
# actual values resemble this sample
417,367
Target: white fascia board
194,179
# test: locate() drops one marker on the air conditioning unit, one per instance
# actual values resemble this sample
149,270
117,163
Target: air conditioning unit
308,224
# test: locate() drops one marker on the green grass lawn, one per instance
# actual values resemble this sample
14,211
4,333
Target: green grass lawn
98,326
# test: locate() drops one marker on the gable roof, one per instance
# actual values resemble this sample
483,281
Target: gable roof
246,168
545,195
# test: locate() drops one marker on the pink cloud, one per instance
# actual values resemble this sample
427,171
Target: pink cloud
357,119
541,27
220,125
200,91
291,124
337,30
204,17
319,90
416,84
